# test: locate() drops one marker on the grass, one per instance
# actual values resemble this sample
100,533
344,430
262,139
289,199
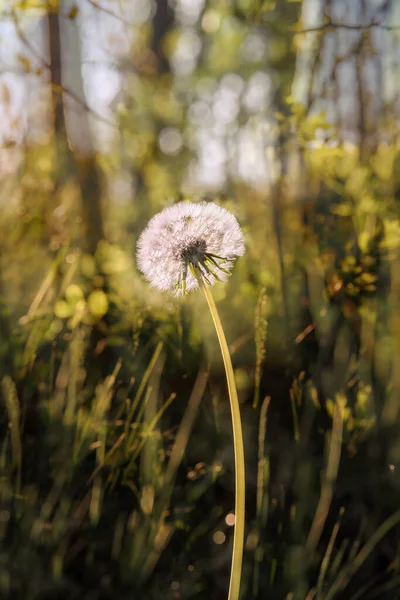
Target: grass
116,458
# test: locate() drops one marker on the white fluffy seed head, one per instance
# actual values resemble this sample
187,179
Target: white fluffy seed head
189,238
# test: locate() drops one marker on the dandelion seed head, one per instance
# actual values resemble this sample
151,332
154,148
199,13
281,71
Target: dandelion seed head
185,238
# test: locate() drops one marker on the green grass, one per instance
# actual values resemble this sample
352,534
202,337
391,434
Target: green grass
116,455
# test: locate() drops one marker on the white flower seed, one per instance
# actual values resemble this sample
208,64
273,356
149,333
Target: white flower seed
187,241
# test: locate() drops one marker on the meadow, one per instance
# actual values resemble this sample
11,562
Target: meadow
116,456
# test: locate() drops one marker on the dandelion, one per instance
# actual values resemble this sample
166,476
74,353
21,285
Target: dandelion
190,246
188,241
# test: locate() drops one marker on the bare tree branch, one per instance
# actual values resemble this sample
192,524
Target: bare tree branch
60,88
331,26
42,62
111,13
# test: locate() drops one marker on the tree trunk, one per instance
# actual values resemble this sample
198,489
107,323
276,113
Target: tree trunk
75,149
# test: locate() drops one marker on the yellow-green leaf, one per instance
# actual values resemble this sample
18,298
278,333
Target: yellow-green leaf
73,294
62,309
24,61
73,12
98,303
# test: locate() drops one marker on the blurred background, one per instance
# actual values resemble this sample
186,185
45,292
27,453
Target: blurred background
116,456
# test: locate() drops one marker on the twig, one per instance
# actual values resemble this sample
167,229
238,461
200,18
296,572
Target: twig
109,12
43,63
331,26
46,66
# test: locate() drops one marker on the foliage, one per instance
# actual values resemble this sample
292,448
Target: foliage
115,454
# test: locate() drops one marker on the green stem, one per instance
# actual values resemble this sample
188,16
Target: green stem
238,538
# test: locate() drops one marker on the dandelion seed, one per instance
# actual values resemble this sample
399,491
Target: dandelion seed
187,241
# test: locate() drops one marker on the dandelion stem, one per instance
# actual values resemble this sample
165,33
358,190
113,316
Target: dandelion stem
238,538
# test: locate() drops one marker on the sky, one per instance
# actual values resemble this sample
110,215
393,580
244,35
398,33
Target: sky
105,41
103,37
